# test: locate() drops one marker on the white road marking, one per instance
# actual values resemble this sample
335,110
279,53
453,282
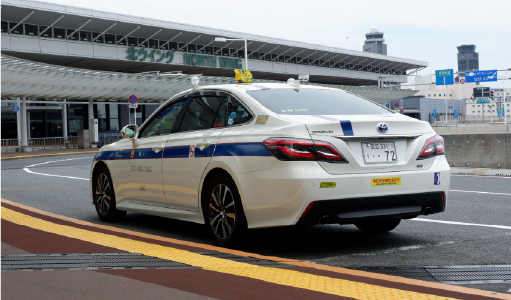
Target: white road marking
461,223
26,169
478,192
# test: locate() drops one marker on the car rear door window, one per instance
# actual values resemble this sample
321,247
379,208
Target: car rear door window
237,113
200,113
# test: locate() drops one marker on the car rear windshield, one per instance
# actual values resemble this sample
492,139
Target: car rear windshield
306,101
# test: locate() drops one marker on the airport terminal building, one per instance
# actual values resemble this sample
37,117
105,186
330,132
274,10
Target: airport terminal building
65,66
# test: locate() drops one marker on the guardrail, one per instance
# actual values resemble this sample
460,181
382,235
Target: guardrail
41,143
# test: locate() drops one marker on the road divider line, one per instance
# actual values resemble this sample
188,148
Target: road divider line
478,192
461,223
26,169
339,287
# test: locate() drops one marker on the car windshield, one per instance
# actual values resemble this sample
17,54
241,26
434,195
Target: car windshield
316,102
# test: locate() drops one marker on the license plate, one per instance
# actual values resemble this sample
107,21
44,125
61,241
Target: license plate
379,153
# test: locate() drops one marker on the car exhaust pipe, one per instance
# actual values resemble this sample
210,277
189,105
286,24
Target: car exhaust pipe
324,220
426,211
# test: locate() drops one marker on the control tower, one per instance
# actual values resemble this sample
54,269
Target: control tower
374,42
468,58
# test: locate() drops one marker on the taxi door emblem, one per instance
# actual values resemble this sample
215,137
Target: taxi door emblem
192,151
132,153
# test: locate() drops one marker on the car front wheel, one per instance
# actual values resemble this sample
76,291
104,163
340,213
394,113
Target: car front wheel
223,213
378,226
104,196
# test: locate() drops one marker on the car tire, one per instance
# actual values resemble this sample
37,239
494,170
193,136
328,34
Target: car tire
223,214
104,196
378,226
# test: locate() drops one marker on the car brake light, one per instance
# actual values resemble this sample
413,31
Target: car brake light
303,150
434,146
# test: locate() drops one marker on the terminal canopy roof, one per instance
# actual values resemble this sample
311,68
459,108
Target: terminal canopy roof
44,81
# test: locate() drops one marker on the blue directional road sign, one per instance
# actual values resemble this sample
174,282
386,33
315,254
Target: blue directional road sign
450,106
444,77
481,76
16,107
455,113
387,105
434,113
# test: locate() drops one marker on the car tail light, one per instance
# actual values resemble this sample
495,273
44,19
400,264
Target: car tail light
307,209
304,150
434,146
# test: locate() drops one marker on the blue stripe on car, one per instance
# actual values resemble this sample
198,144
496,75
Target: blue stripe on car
235,149
346,128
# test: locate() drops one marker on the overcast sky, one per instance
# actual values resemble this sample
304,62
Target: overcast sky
427,31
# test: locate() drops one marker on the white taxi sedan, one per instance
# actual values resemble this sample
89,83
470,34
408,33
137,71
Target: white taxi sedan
243,156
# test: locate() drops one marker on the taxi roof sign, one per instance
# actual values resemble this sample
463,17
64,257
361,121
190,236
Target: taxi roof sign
243,75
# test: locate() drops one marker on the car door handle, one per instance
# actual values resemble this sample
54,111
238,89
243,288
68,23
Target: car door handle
158,149
203,144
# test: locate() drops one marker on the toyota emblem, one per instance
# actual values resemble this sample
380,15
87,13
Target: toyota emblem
383,128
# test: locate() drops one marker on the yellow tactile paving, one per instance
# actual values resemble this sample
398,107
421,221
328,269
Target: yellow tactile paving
285,277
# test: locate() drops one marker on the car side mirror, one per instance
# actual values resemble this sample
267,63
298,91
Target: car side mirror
130,132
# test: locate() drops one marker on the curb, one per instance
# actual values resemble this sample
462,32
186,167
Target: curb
46,154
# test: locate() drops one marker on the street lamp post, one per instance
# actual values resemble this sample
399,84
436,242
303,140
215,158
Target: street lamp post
221,39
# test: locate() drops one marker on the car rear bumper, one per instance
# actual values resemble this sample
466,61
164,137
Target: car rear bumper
349,211
279,196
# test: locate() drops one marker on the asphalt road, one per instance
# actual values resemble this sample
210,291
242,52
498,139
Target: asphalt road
480,203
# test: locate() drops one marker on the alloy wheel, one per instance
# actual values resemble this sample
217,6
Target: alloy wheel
222,211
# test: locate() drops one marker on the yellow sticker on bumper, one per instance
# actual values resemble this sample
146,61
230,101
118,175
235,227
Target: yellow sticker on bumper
327,185
385,181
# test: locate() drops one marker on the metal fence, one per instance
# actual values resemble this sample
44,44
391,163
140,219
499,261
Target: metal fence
41,143
108,137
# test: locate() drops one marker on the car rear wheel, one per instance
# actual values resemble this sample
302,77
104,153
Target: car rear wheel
223,213
104,196
378,226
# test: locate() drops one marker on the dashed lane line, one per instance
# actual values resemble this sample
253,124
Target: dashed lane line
479,192
461,223
339,287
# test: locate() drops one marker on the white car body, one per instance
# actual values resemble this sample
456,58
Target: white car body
275,192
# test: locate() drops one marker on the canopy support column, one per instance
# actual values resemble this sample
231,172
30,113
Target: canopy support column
64,122
23,121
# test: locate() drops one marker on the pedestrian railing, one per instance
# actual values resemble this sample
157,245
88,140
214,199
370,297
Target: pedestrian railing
41,143
9,145
108,137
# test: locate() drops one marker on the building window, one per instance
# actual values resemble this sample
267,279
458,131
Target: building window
450,95
473,105
434,95
429,95
473,111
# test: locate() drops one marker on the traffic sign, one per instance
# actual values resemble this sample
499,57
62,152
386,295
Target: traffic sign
482,101
133,99
396,105
401,100
450,103
464,105
457,79
133,105
481,76
450,106
387,105
464,111
444,77
434,113
401,106
462,81
16,107
402,111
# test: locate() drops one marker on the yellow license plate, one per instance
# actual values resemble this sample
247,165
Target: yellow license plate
386,181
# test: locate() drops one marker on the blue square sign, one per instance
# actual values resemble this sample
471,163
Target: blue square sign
444,77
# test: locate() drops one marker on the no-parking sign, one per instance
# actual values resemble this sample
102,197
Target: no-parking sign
133,99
